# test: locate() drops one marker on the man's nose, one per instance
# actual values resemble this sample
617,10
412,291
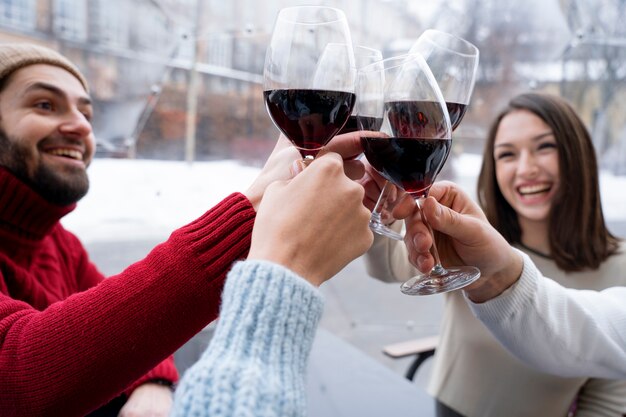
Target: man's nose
75,124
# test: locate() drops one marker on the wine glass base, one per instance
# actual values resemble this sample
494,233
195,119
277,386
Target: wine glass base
383,230
454,278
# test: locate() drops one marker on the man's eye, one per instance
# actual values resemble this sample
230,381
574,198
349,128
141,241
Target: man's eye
44,105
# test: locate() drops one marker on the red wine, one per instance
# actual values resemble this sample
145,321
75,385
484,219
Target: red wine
410,163
309,118
416,119
365,123
456,111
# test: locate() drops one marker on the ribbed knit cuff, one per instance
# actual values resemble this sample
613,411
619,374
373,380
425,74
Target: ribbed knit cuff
216,239
512,301
269,308
256,362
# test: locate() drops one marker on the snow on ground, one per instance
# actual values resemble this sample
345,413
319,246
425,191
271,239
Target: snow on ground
147,199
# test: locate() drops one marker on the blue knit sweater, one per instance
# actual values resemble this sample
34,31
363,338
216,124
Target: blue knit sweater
255,365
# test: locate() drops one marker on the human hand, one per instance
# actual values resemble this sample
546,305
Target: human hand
314,224
465,238
285,161
148,400
371,180
277,167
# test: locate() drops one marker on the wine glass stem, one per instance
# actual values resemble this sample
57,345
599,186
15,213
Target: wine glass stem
306,161
380,203
438,269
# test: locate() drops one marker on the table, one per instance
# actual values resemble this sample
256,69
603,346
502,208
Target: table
342,381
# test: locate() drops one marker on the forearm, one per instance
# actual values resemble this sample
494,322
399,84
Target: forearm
561,331
79,353
256,361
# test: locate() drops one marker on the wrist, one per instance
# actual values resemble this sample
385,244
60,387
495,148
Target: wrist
492,286
162,383
254,195
289,261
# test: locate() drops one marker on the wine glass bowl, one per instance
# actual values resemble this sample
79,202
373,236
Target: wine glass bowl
415,127
363,56
308,81
454,63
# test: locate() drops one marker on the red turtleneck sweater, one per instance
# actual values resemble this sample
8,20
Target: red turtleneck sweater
71,340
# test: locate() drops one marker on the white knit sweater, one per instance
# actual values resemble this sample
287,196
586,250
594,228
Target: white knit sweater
559,330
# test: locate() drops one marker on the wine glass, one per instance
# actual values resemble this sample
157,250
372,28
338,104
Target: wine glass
309,86
363,56
369,109
411,147
454,63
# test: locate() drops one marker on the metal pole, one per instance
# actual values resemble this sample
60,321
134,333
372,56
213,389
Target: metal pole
192,93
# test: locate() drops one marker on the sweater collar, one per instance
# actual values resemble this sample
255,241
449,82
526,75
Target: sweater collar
24,212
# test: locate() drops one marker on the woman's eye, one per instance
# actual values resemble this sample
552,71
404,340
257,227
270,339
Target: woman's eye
547,145
504,155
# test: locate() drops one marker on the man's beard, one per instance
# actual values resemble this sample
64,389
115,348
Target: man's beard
53,186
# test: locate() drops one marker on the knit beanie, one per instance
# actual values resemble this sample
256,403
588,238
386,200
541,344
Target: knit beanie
14,56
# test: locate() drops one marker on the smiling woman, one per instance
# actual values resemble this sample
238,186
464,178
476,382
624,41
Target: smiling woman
539,188
539,141
527,171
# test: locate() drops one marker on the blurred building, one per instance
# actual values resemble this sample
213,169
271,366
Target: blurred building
142,56
183,78
118,53
573,48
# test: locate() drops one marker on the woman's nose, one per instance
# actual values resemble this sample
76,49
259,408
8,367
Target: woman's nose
527,164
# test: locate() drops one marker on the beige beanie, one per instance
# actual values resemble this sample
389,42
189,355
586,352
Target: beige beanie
14,56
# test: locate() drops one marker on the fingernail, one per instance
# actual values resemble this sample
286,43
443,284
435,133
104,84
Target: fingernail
438,210
296,167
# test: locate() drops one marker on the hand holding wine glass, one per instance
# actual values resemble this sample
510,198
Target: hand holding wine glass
309,86
411,148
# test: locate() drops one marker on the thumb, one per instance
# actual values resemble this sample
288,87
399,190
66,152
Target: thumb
462,228
348,145
296,167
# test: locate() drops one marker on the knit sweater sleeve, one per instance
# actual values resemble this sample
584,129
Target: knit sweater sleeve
79,353
559,330
89,276
256,362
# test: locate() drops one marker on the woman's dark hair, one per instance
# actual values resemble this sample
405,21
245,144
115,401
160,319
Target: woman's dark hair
579,238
